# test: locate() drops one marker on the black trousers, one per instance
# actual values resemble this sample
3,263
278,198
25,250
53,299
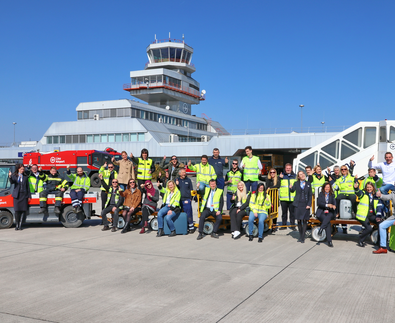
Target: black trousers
285,206
103,197
146,212
236,219
326,219
45,193
302,227
20,217
351,197
368,228
115,216
205,214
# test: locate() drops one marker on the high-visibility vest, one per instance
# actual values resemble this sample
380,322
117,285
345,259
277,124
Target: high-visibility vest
117,195
175,199
363,207
106,176
251,169
36,186
376,185
284,193
317,182
204,172
143,168
60,184
82,182
345,186
259,203
235,178
216,198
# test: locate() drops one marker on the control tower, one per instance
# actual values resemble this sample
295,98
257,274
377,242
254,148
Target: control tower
166,81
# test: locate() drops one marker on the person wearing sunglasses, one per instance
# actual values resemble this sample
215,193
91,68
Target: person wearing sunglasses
131,204
173,167
273,181
150,202
109,174
114,204
345,187
232,178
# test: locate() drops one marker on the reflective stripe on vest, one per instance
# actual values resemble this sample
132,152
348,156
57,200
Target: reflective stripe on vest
235,178
317,182
204,173
346,186
106,176
258,205
116,197
175,199
284,193
363,208
216,199
36,185
143,168
251,169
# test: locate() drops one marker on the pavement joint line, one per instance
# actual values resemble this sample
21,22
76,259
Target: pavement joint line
265,283
28,317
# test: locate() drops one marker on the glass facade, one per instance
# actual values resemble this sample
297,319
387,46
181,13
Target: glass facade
171,54
96,138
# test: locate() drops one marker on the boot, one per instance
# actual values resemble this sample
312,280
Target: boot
173,234
144,226
20,223
142,230
126,228
160,233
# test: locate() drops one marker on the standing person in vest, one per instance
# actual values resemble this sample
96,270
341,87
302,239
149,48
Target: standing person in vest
251,166
213,203
372,178
260,204
273,181
126,170
113,204
184,184
326,203
302,203
239,209
318,178
204,174
173,167
81,185
145,167
232,178
36,178
55,185
369,210
21,194
108,174
131,204
218,164
384,225
170,208
345,187
286,197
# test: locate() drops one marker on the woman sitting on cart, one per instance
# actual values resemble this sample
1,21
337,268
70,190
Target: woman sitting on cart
239,209
150,201
326,203
170,208
369,210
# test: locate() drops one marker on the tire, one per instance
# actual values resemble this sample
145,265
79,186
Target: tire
121,222
208,227
254,230
374,236
6,220
95,180
135,220
266,227
154,224
70,219
316,236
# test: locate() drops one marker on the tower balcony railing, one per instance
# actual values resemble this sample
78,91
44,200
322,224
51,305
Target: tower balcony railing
167,85
174,60
168,40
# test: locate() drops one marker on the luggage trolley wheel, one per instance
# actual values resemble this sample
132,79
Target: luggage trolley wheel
208,227
121,222
374,236
265,227
254,230
316,236
154,224
136,220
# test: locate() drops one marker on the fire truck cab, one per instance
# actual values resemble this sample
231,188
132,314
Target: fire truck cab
68,218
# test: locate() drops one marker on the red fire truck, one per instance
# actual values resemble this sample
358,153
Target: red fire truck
89,160
68,218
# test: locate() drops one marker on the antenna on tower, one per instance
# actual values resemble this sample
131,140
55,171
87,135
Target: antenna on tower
183,38
155,38
169,35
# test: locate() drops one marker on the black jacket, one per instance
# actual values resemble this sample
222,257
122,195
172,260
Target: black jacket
298,196
21,189
107,188
243,206
270,184
321,205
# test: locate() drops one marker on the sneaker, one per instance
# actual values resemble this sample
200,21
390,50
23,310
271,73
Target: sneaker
113,229
236,235
105,228
173,234
260,239
214,235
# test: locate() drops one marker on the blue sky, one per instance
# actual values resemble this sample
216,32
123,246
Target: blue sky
257,60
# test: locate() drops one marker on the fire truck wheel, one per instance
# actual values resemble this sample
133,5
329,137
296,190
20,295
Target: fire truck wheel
6,220
95,180
70,219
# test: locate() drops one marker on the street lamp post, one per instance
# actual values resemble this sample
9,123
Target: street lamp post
14,123
322,122
301,117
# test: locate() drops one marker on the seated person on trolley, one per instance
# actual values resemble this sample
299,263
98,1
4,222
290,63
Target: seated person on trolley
212,205
81,185
55,185
345,187
114,203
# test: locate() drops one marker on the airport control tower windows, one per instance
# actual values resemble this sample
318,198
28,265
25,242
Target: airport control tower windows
165,54
172,54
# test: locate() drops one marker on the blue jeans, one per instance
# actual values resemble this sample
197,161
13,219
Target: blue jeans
220,183
253,186
383,231
169,218
261,219
187,207
385,188
229,202
202,186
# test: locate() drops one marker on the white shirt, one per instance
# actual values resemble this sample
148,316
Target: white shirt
388,171
259,164
210,199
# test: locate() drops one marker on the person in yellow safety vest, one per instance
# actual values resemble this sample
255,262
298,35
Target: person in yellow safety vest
369,210
36,178
55,184
212,205
251,166
318,179
260,204
114,203
372,178
286,197
108,173
204,173
239,209
81,185
170,207
345,187
232,178
145,167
